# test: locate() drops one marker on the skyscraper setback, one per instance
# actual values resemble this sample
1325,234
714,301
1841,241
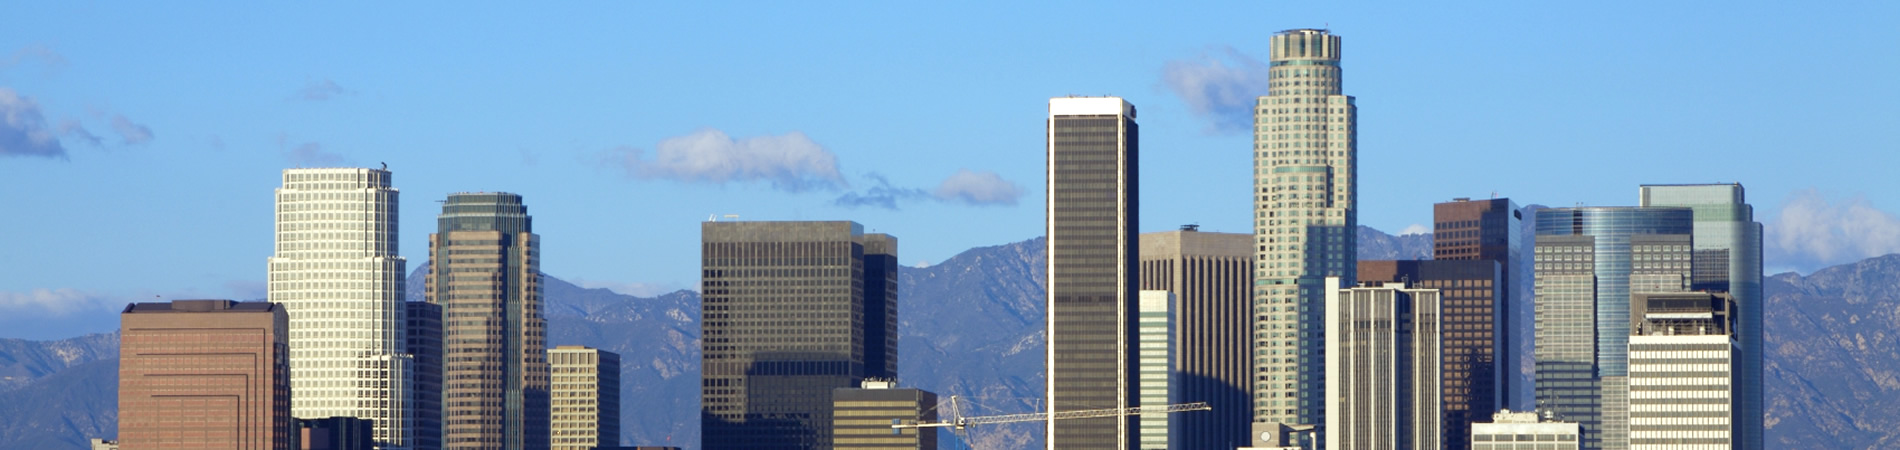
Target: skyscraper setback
1093,146
792,311
336,272
484,269
1305,220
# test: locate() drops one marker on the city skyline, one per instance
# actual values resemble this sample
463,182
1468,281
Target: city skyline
153,118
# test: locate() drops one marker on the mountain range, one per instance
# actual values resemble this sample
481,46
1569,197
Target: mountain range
971,326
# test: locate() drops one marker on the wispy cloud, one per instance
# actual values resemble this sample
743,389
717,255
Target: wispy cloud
53,302
965,186
1811,232
73,129
1221,86
321,90
132,133
34,52
978,188
1414,229
881,194
790,162
312,154
23,130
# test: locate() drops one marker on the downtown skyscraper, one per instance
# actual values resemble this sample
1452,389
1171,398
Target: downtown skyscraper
484,270
1728,258
1092,257
791,312
1211,276
1305,220
336,271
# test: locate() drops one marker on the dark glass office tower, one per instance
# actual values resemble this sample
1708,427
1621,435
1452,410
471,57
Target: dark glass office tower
1473,325
1588,263
484,269
790,313
1092,269
1306,217
1728,258
425,342
1211,276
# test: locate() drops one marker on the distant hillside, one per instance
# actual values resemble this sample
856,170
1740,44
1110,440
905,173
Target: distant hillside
23,361
1832,368
63,410
1375,245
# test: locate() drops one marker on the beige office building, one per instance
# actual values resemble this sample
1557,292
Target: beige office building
586,397
336,271
862,417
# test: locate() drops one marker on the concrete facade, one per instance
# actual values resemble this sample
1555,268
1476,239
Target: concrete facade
1471,294
1306,220
586,398
1383,377
336,271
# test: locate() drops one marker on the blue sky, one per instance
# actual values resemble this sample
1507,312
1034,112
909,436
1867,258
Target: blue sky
140,143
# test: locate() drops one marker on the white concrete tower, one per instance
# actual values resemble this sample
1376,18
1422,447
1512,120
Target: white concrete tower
1305,220
336,272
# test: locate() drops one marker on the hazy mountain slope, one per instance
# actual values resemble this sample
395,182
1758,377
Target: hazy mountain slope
1375,245
64,409
23,361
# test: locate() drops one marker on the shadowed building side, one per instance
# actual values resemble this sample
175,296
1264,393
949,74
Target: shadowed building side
1211,276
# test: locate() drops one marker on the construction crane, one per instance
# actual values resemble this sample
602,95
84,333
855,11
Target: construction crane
959,421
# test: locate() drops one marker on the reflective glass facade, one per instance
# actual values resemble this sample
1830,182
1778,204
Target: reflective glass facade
1585,261
1305,220
1728,258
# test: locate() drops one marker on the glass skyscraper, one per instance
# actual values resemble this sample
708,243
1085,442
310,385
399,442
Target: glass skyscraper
1587,263
1305,220
1728,258
484,269
336,272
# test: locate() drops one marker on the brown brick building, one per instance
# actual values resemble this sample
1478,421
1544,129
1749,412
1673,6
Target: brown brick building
197,374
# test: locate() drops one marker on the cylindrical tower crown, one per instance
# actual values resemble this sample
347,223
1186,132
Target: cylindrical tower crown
1304,44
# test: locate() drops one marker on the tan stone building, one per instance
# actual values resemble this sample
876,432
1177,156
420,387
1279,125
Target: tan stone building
586,398
204,374
861,417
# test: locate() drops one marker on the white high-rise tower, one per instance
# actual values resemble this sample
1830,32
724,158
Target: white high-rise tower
336,272
1305,220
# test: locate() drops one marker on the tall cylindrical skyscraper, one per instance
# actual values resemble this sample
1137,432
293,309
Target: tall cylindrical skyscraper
336,272
1305,219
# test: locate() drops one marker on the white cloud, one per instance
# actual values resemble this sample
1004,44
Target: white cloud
1414,229
978,188
132,133
321,90
1221,87
1810,232
23,130
53,302
790,162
